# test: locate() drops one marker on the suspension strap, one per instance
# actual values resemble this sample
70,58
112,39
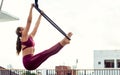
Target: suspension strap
50,21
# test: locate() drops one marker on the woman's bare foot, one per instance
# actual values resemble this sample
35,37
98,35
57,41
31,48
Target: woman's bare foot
65,40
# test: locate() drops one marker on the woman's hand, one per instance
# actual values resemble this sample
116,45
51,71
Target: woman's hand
32,5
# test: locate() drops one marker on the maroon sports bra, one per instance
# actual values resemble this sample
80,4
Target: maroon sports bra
28,43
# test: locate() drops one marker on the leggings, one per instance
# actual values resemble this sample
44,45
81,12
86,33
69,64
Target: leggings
31,62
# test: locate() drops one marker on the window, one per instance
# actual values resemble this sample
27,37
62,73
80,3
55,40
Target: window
118,63
109,63
99,62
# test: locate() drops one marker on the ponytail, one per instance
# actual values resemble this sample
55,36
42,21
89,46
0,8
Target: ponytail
18,42
18,45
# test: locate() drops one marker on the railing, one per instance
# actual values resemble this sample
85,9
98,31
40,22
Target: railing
60,72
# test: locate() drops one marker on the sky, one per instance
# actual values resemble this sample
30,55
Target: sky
95,25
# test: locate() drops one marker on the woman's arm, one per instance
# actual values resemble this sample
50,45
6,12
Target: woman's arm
29,20
36,26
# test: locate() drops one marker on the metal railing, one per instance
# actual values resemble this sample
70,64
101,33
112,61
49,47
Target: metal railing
60,72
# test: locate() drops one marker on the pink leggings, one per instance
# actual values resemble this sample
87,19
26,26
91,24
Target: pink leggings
31,62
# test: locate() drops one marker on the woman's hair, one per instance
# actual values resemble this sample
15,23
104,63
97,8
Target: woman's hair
18,42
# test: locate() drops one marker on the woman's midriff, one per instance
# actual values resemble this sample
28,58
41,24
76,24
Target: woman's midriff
28,51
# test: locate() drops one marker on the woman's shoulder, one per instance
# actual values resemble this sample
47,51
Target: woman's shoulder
24,38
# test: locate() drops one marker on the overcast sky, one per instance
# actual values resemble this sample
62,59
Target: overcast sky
95,25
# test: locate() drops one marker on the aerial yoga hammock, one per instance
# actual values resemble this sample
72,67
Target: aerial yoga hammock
25,42
49,20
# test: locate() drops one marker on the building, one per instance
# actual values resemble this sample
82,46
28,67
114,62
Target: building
64,70
107,59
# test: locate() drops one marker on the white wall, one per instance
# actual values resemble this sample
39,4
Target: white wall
101,55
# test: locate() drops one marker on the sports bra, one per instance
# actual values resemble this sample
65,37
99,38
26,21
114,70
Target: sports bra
28,43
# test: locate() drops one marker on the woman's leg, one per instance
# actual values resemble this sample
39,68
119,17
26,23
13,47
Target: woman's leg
36,60
39,58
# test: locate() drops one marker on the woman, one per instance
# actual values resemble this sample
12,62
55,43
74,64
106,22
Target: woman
26,43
